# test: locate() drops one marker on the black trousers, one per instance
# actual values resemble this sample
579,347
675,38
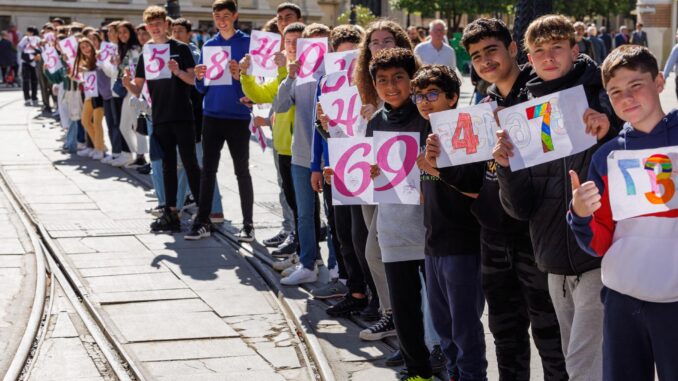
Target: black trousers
236,134
352,234
285,167
112,110
404,285
169,136
29,79
45,87
517,296
333,239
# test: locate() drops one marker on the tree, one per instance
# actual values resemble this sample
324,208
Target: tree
580,9
363,16
451,10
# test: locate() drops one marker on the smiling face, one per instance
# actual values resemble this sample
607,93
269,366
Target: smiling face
286,17
291,45
380,40
123,34
86,49
432,99
635,96
393,86
553,59
157,28
113,34
224,20
492,60
180,33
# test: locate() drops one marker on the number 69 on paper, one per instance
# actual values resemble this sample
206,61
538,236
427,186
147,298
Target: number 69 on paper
642,181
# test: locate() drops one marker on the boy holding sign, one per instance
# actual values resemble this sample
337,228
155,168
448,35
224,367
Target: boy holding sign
172,111
452,248
540,194
225,118
640,263
515,289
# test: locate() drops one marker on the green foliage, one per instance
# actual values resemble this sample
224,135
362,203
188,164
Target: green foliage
452,10
363,16
580,9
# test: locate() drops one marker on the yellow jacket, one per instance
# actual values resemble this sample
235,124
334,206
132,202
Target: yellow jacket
266,93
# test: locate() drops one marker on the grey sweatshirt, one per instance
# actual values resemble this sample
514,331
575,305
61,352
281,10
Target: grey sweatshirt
401,229
304,97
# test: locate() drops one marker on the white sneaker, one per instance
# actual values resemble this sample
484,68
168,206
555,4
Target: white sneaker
301,275
85,152
81,146
98,155
108,159
288,271
292,260
122,160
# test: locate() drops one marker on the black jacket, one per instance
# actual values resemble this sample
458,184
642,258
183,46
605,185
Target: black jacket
541,194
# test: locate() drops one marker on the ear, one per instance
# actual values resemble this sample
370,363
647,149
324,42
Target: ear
660,82
513,49
529,59
575,52
453,100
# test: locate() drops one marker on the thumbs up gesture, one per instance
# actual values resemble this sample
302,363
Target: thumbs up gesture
585,197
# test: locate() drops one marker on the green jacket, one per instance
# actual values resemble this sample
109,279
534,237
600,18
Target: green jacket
265,93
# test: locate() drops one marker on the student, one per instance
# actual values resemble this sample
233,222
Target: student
286,242
515,289
538,195
171,113
640,263
28,47
452,245
225,120
308,205
401,244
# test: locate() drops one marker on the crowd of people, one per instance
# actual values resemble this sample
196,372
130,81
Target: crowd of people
526,243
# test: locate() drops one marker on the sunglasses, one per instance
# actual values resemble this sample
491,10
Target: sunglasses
431,96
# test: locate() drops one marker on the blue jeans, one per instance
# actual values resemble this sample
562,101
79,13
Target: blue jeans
430,335
307,207
456,303
71,144
182,189
81,133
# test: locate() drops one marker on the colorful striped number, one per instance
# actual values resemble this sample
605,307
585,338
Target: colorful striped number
659,168
544,111
624,166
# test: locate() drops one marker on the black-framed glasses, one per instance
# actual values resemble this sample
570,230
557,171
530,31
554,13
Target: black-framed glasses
431,96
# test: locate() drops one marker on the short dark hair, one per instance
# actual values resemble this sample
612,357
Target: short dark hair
32,29
392,58
271,26
316,29
346,33
229,5
486,28
141,26
441,76
631,57
290,6
295,27
58,20
186,23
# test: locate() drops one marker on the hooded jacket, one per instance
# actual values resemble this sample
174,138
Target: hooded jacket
541,194
640,255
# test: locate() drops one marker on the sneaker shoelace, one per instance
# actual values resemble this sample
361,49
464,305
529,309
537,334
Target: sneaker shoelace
382,324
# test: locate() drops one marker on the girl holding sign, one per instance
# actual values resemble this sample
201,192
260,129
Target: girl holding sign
85,69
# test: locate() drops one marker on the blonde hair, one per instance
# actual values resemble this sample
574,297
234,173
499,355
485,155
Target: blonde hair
549,28
155,12
315,29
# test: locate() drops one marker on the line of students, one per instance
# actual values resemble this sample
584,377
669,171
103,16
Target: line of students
483,234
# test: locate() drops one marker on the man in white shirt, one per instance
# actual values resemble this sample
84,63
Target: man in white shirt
435,50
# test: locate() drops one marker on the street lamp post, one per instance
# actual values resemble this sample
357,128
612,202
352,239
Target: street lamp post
526,12
173,9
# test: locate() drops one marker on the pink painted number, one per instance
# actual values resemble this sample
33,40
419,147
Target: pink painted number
305,68
217,68
411,150
155,57
351,114
264,53
340,170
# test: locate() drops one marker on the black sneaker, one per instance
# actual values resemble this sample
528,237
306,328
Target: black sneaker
383,328
246,234
277,239
189,202
169,221
288,247
198,231
437,359
370,313
140,161
144,169
395,359
347,306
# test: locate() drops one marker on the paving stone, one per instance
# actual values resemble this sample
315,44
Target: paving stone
220,366
175,242
135,282
249,301
64,326
190,349
281,358
143,296
102,244
11,246
15,261
183,305
172,326
120,270
235,376
64,359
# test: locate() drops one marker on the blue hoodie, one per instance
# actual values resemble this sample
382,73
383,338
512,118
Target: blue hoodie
223,102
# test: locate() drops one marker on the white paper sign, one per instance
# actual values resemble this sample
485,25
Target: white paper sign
263,111
343,109
263,46
107,51
49,37
340,61
642,181
156,58
467,135
51,60
351,159
217,59
547,128
396,155
335,82
90,84
69,47
146,94
310,54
